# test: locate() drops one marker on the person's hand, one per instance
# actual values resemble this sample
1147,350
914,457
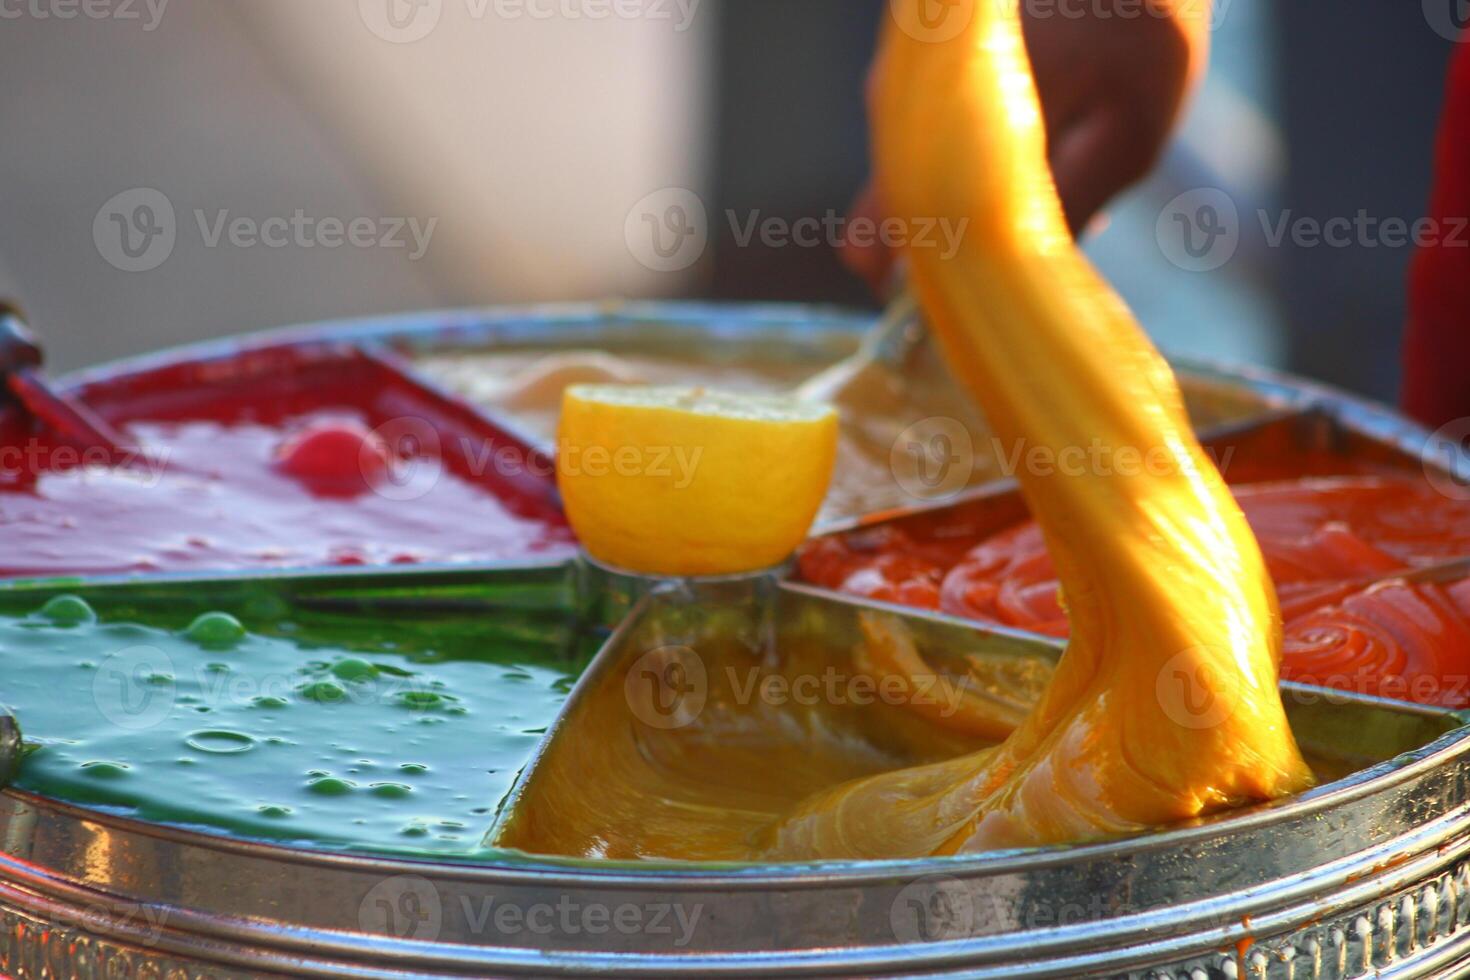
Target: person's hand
1113,76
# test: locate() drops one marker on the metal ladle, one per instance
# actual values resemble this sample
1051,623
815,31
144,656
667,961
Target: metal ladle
886,344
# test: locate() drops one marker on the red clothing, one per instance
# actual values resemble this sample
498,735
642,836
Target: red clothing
1437,348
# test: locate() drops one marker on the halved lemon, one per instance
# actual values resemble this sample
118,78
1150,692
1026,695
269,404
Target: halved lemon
688,481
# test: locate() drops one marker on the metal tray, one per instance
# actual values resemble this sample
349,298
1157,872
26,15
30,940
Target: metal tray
1366,875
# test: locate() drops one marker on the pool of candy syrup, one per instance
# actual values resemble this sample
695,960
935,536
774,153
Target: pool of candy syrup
343,733
289,482
1334,547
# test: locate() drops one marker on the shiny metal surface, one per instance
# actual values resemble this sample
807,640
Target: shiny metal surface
1364,871
1365,876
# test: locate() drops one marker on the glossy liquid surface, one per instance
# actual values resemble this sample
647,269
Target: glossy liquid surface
1163,577
276,460
1327,542
328,731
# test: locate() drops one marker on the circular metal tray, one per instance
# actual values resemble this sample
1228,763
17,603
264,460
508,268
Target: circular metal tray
1365,876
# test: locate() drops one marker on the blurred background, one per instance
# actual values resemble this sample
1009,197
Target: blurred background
189,169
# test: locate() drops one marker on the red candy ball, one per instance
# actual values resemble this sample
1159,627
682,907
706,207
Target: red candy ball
335,457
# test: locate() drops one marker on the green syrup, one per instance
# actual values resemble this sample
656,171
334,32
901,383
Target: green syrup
358,732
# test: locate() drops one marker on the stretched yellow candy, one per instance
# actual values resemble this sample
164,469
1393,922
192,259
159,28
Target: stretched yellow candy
1165,704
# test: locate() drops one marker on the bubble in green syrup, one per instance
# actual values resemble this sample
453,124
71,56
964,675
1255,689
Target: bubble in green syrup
68,610
220,741
353,669
323,692
105,770
215,631
372,774
330,786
